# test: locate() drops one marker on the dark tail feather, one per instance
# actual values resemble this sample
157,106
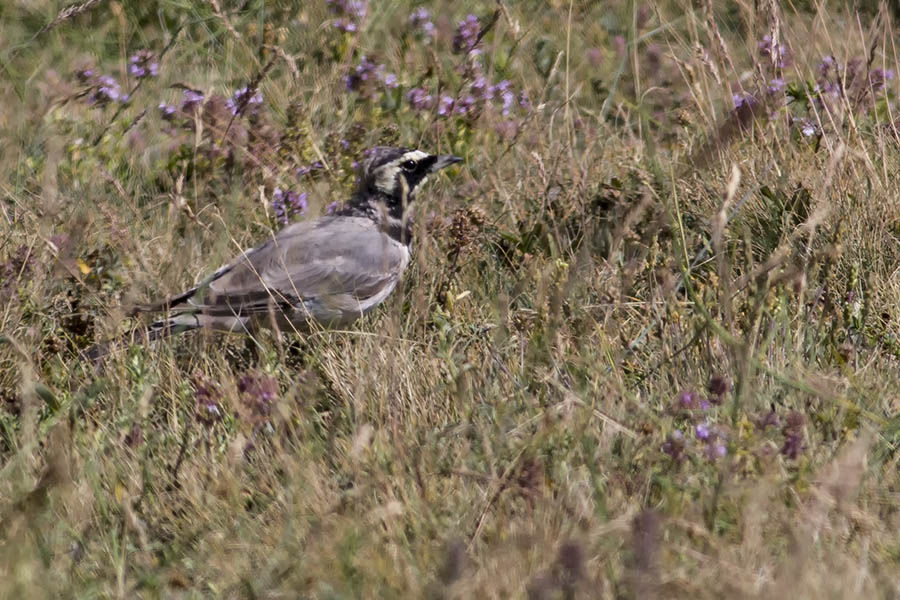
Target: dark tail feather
155,331
174,301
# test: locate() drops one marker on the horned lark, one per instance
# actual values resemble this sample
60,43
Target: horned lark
329,271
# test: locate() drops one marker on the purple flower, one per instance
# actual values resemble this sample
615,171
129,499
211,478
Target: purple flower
191,100
766,420
332,208
509,99
257,393
106,90
420,19
793,435
807,127
506,94
779,55
482,89
701,430
363,72
345,25
714,438
357,9
743,99
686,400
716,449
419,99
793,446
142,65
208,399
466,106
241,101
366,76
675,445
878,78
776,86
287,204
350,13
85,75
524,101
718,385
501,87
466,38
826,66
445,105
167,111
419,16
389,80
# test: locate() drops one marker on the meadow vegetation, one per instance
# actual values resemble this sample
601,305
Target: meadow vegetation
647,348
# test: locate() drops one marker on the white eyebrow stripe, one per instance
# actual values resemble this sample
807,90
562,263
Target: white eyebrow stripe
415,155
387,173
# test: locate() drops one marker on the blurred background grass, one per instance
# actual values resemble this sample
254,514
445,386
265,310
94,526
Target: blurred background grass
647,348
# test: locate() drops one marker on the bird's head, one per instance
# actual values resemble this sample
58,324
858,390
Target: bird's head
390,177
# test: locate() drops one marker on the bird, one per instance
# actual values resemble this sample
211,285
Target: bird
328,271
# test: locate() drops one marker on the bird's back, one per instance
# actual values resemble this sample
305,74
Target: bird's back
332,269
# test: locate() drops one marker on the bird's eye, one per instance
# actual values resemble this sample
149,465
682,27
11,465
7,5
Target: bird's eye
408,165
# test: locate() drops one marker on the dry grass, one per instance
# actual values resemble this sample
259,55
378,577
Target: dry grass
630,258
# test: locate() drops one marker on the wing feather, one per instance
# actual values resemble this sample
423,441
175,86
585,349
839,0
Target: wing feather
338,261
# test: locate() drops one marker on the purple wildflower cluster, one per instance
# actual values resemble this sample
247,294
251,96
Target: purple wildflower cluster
105,89
307,169
479,94
102,89
692,411
288,204
774,54
793,442
350,14
838,86
466,41
806,126
242,101
675,445
257,393
709,441
420,22
142,64
851,80
851,85
476,97
190,103
208,401
368,78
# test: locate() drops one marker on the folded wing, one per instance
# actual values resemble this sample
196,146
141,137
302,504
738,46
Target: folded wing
329,264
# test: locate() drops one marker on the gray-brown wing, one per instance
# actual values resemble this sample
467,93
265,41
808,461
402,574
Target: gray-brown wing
339,261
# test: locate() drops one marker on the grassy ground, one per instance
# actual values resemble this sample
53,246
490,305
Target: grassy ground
647,347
